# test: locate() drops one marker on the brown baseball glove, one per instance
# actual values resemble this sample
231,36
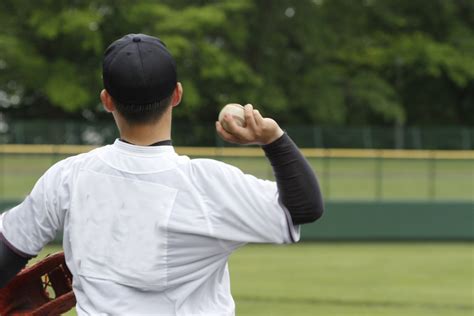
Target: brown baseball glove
42,289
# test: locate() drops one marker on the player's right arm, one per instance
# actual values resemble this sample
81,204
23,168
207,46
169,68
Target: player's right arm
298,186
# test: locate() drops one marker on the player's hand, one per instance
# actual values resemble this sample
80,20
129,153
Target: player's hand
258,130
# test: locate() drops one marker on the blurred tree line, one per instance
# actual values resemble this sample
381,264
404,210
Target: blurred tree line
338,62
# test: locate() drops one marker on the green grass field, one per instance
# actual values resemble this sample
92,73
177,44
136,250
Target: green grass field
369,279
341,178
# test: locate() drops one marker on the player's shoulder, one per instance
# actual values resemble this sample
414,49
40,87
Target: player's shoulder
75,162
209,175
208,170
210,166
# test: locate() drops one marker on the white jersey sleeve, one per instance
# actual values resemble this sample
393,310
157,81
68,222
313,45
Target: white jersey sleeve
29,226
241,207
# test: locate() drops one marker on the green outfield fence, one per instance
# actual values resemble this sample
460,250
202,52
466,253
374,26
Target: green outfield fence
384,221
385,190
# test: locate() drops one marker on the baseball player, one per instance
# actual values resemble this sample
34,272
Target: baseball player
146,231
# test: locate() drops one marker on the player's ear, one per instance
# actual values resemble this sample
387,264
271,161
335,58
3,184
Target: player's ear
107,101
177,94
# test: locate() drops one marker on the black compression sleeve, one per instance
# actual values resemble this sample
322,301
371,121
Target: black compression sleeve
297,184
10,263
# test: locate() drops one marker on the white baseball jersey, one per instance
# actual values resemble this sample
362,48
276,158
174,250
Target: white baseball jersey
146,231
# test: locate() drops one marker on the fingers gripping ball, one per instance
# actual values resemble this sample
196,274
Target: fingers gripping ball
236,111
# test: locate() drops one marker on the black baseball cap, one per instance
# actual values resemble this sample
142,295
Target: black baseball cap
138,69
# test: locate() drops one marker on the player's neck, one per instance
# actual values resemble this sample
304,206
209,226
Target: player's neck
146,134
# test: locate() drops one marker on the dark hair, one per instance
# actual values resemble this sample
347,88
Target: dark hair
143,113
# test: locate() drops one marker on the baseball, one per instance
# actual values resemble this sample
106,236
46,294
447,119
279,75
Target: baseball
237,112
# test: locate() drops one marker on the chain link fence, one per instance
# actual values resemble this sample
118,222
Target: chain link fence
99,133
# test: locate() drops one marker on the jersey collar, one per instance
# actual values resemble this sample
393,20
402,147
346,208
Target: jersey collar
143,150
167,142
